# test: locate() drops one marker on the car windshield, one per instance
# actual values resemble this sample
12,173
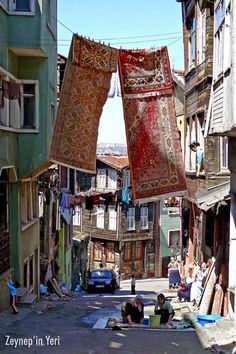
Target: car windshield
101,274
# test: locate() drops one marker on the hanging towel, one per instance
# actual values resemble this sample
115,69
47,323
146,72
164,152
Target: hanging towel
115,86
10,90
125,196
84,92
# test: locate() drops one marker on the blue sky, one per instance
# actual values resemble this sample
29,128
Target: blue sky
152,22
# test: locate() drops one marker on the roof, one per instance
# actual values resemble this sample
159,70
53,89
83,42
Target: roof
178,77
117,161
207,198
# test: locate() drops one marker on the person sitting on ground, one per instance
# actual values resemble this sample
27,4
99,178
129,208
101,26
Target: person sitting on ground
185,286
132,311
164,308
12,289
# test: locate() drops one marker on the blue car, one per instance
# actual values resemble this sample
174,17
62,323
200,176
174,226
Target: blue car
102,279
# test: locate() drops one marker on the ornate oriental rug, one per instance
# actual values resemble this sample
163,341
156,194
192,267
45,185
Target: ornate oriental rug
153,138
84,92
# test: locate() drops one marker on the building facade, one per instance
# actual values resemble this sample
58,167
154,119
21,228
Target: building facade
205,210
222,114
27,113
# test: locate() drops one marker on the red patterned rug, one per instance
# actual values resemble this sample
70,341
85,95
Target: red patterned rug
153,138
84,92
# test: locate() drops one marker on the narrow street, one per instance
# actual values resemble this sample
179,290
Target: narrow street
67,327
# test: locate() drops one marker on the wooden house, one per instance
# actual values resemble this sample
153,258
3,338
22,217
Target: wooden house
207,201
118,233
222,118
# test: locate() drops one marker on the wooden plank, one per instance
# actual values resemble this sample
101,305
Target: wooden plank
218,300
206,299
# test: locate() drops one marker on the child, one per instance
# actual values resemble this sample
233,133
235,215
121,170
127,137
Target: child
132,284
12,290
164,308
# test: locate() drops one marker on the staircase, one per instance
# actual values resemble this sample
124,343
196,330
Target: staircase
24,297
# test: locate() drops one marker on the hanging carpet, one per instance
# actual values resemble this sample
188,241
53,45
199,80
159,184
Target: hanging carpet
153,138
84,92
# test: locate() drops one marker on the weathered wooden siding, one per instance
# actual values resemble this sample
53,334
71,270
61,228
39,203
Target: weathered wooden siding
217,106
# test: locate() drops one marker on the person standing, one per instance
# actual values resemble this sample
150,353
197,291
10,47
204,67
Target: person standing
133,281
173,273
12,290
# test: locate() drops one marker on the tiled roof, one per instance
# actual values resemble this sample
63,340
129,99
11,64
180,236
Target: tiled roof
116,160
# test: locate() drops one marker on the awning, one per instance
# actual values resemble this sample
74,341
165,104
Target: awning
207,198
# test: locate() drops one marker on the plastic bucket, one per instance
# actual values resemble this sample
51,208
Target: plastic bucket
154,320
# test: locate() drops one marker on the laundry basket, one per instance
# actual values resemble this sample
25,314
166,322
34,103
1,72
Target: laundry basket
154,320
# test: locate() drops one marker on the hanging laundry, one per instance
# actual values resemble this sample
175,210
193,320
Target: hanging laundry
64,201
84,92
153,138
115,86
125,196
89,202
10,90
96,199
109,198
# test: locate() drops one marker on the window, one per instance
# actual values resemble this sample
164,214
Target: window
224,153
219,14
200,128
100,218
28,205
28,104
126,178
138,250
25,115
112,218
128,251
19,6
144,218
201,34
191,42
22,5
174,238
219,50
29,273
52,15
97,251
77,216
112,179
131,219
101,179
110,252
52,113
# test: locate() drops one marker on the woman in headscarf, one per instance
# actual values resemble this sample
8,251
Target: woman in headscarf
133,311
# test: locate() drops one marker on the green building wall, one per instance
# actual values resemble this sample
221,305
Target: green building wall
168,222
64,259
27,153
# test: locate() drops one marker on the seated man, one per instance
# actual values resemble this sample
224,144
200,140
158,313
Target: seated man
164,308
133,311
